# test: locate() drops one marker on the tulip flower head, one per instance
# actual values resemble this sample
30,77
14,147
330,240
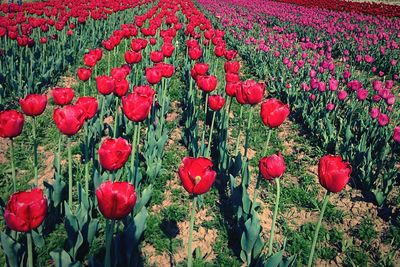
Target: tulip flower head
11,123
62,96
26,210
113,153
116,199
69,119
333,173
197,175
272,167
33,104
274,112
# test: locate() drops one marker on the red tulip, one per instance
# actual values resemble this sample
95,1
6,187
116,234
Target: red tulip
156,56
396,134
272,167
167,49
216,102
11,123
201,68
137,105
89,105
33,104
250,93
26,210
132,57
232,88
116,199
119,74
197,175
62,96
84,74
121,87
232,66
69,119
105,84
153,75
274,112
166,69
207,83
333,173
231,77
195,53
113,153
90,60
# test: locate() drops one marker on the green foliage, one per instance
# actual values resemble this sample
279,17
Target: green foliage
365,231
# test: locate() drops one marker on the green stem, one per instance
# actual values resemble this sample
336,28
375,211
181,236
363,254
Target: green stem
207,154
59,153
35,153
84,88
12,165
109,235
253,205
116,118
30,249
109,62
311,257
240,131
86,160
248,132
192,215
268,139
133,155
204,125
69,173
271,236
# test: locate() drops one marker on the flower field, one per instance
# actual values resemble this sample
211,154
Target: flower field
199,133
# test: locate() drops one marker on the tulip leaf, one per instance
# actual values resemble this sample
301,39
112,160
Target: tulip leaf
62,259
12,249
251,241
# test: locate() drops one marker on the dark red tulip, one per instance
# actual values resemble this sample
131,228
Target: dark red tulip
69,119
216,102
207,83
333,173
137,105
231,88
132,57
84,74
166,69
26,210
396,134
230,54
116,199
272,167
273,112
11,123
250,92
105,84
197,175
113,153
153,75
62,96
89,105
121,88
33,104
